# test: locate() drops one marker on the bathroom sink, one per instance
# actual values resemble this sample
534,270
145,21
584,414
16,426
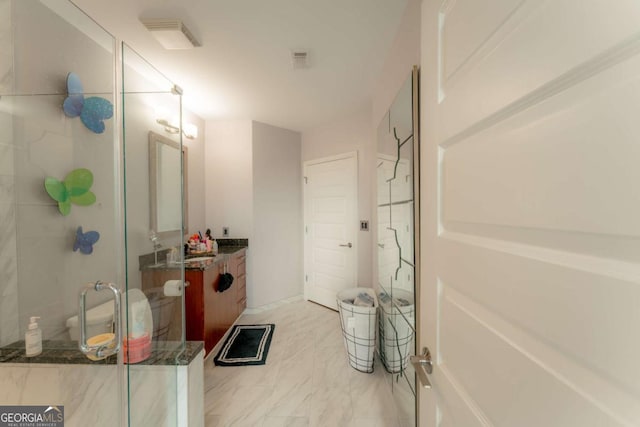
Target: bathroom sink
198,259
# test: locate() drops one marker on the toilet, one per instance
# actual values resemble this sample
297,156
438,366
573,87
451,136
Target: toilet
99,321
100,317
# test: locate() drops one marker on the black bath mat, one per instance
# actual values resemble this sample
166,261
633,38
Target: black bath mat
246,345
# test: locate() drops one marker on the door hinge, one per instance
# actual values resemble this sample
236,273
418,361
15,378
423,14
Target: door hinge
306,180
306,278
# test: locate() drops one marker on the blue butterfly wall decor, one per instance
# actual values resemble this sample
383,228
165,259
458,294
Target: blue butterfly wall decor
93,111
84,241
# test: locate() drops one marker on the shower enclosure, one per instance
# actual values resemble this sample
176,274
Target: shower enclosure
76,109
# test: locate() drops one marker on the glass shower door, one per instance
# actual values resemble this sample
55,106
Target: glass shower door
60,210
75,215
154,319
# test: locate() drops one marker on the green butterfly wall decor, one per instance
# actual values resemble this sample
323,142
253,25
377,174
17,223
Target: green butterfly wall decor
74,189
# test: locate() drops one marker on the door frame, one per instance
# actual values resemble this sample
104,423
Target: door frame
347,155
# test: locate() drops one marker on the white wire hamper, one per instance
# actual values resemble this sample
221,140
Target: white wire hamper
396,335
359,325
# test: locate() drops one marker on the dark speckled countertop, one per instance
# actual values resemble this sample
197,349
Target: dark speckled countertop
67,353
225,247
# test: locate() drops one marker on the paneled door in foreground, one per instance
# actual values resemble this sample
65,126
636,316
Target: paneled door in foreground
531,213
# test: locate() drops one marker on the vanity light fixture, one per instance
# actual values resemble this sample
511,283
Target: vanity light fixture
170,126
189,130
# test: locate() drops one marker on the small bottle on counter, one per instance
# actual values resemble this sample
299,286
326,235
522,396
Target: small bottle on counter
214,247
172,256
33,338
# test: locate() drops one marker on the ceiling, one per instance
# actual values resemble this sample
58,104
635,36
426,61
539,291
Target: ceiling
243,70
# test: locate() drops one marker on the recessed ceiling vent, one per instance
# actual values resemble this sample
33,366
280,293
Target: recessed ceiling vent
300,59
171,33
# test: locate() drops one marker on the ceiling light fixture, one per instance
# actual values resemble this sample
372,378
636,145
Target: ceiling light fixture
171,33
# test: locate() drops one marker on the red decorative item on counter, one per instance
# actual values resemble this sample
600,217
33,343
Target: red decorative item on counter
136,349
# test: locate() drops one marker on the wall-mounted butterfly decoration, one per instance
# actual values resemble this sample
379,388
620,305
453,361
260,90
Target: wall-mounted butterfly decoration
85,241
92,111
74,189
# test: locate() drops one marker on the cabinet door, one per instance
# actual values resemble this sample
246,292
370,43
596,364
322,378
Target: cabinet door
241,279
194,306
214,319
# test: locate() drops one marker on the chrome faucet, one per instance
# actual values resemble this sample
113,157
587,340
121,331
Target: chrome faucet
156,245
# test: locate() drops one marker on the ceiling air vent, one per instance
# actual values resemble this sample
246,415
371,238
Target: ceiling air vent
171,33
300,59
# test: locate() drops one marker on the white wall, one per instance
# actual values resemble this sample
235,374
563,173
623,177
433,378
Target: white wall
276,247
228,174
252,173
404,54
196,174
352,133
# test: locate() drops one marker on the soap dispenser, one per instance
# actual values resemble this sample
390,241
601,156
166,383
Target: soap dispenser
33,338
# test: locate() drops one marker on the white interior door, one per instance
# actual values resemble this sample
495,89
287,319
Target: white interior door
330,218
531,212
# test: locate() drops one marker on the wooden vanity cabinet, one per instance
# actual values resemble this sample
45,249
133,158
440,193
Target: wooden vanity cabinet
209,313
203,303
238,267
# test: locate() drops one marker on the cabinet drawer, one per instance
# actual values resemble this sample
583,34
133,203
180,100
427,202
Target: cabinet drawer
241,290
242,266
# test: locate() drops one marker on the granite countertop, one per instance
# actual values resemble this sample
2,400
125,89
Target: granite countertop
225,247
67,353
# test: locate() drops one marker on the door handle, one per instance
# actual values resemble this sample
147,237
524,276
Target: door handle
348,245
111,346
422,365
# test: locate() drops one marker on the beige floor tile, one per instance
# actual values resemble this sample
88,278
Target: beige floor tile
307,380
330,407
286,422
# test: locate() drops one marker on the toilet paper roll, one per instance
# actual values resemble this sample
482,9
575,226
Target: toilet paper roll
173,288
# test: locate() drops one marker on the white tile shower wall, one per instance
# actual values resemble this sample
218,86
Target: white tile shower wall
8,252
46,143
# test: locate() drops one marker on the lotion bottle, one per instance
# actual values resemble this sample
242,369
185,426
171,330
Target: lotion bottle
33,338
214,247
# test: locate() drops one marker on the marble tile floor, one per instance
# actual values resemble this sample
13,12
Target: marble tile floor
307,380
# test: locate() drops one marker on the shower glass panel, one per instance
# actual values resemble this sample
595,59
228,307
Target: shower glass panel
397,242
75,211
154,318
60,209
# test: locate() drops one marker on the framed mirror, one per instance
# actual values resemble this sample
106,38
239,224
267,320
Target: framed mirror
398,243
168,185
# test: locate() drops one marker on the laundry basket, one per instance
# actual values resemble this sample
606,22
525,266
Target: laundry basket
358,328
395,343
